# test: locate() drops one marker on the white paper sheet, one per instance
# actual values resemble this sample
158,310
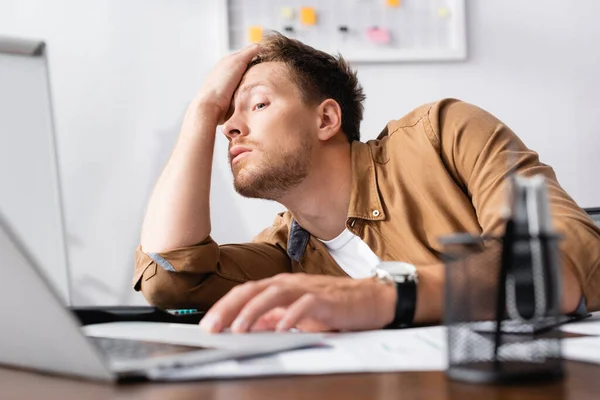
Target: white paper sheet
585,349
589,326
420,349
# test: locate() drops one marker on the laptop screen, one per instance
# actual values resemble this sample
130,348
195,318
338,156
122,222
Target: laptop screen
29,183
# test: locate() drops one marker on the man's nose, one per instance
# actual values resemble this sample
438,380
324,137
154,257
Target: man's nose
234,127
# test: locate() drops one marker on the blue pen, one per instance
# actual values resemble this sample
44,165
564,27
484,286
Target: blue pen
182,311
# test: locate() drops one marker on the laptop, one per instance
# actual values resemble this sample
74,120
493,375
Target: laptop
38,332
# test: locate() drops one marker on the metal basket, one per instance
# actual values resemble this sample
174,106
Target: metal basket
500,331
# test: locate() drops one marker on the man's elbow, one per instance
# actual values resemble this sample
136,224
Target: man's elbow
165,290
571,291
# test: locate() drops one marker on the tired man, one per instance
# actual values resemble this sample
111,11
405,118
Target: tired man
292,117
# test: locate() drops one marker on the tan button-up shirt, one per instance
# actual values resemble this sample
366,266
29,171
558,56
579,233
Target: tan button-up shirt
439,170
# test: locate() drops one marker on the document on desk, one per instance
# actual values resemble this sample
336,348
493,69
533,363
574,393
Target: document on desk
584,349
418,349
588,326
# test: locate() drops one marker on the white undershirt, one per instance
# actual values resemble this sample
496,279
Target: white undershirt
353,255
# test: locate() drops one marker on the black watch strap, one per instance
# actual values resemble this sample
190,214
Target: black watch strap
406,303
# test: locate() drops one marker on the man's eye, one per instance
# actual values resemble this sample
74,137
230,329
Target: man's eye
260,106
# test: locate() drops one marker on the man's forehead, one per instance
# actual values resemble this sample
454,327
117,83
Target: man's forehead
267,73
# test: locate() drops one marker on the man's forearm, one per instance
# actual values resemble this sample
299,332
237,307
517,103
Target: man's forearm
430,293
178,213
571,291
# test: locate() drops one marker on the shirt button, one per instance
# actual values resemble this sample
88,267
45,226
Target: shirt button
376,213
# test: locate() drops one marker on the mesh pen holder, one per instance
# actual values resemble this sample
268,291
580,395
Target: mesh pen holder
498,294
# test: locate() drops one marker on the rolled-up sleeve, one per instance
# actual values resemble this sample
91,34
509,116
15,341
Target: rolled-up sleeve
479,151
197,276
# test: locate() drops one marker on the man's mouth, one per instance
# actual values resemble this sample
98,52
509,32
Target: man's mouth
237,153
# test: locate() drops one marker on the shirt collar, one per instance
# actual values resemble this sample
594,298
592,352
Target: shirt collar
365,202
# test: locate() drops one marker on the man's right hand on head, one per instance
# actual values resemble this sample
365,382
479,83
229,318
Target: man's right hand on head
218,88
178,213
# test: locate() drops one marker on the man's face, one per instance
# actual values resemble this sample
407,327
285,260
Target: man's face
271,131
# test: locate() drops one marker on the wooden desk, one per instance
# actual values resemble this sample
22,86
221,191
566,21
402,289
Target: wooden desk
582,383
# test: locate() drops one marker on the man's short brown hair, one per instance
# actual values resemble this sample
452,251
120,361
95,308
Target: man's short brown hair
319,76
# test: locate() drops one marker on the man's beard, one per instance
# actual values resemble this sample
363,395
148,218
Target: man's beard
275,175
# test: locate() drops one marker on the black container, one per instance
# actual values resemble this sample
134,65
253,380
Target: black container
502,307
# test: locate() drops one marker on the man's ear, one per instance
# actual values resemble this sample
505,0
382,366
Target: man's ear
330,119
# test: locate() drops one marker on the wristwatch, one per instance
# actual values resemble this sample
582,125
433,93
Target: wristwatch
404,277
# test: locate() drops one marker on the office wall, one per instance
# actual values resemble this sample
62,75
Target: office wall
123,71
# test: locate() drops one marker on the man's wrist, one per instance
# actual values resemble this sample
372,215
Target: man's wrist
387,297
203,108
403,277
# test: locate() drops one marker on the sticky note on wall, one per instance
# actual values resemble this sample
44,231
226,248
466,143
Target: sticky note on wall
308,16
443,12
379,36
287,12
255,34
392,3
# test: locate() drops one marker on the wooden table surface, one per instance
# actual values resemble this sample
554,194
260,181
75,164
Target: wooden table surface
581,383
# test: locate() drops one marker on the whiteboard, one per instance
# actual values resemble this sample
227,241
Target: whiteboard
29,183
361,30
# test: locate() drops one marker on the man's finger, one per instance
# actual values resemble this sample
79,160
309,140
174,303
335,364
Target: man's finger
269,320
263,302
224,311
306,306
248,52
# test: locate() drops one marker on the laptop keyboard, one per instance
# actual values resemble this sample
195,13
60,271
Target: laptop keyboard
124,349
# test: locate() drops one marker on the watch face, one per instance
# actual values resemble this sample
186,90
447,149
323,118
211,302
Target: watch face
398,268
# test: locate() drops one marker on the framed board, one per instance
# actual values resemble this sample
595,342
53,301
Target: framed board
361,30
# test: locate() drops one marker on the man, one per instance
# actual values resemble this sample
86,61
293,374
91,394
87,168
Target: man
292,116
